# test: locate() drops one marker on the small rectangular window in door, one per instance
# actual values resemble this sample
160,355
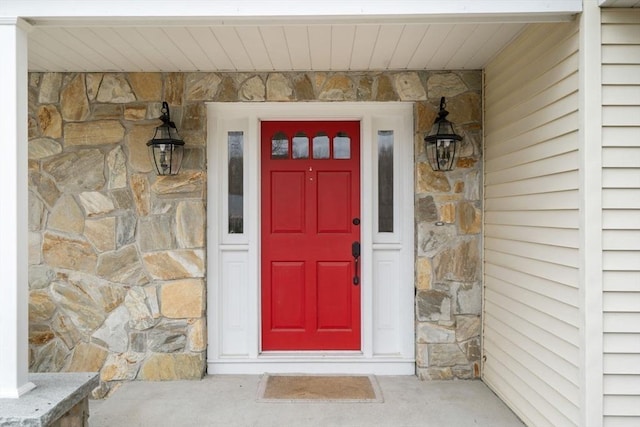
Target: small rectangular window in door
235,148
385,181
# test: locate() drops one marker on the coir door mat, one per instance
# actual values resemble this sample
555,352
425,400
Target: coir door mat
319,388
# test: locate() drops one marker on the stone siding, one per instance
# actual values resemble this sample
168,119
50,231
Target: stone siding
118,255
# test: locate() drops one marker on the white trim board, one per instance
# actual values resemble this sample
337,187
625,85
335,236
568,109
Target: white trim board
233,291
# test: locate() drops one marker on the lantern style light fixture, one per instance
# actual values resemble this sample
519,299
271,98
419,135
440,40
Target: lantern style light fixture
442,142
166,148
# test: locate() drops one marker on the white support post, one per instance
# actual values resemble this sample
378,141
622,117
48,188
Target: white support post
591,338
14,327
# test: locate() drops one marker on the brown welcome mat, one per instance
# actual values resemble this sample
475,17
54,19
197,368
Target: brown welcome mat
319,388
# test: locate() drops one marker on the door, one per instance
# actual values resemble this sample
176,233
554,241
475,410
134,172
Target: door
310,234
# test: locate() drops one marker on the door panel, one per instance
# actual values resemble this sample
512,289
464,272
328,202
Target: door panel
310,195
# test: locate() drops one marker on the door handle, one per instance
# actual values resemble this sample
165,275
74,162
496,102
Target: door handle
355,252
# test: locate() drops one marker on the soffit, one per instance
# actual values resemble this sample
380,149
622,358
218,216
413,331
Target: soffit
254,36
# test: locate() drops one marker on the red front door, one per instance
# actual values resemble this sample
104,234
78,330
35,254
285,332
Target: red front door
310,221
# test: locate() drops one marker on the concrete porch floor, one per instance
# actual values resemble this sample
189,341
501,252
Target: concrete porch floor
231,400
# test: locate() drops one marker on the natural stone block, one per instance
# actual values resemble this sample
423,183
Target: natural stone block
168,337
303,88
92,82
151,293
445,84
107,295
122,198
121,367
115,89
113,334
422,355
77,171
182,299
138,342
122,266
101,233
467,327
141,316
188,183
136,144
384,89
432,238
74,104
338,88
107,111
81,309
156,233
66,216
96,203
190,224
203,86
172,265
40,276
228,91
469,299
50,88
36,212
125,230
40,148
469,218
252,89
423,273
279,88
66,330
458,263
194,117
50,121
141,194
433,305
171,366
35,248
365,88
193,158
432,333
464,108
49,357
409,87
40,334
435,374
174,88
135,112
98,132
197,336
87,358
70,253
45,187
446,355
41,306
426,210
430,181
117,168
471,349
146,86
447,213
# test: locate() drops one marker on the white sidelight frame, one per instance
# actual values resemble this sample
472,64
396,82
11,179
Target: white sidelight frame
233,279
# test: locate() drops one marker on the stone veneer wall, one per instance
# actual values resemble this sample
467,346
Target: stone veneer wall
117,255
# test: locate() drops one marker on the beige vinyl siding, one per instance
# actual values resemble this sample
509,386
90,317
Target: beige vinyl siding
621,215
531,236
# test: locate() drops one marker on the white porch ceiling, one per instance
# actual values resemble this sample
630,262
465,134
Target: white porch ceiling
264,47
283,35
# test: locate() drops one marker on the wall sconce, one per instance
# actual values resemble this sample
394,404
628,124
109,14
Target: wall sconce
441,142
166,148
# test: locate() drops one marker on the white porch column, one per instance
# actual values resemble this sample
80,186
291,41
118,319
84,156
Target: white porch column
13,209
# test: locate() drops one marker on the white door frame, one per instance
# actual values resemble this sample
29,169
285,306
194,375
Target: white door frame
233,280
